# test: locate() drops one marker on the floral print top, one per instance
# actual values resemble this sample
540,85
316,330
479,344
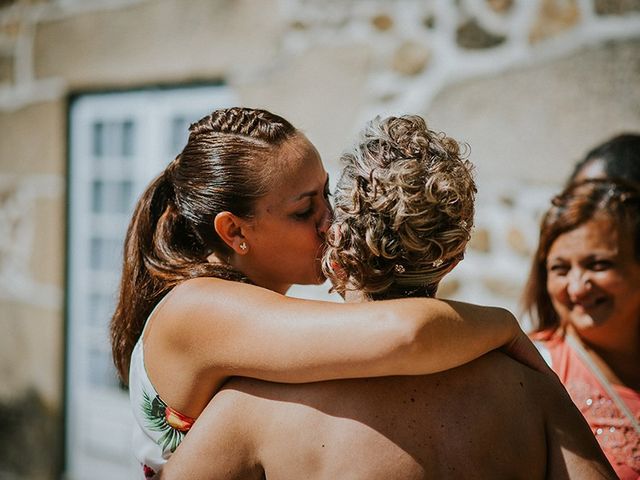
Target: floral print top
158,429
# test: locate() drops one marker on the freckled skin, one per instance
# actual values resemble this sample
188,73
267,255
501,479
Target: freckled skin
491,418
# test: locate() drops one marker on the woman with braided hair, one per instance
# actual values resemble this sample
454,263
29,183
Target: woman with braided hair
215,242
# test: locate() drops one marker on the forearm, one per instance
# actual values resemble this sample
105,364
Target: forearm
454,333
413,336
238,330
218,446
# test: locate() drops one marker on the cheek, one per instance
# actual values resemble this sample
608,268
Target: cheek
612,283
556,290
306,239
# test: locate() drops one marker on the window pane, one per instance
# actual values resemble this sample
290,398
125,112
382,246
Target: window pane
105,254
111,138
112,197
97,196
125,204
128,137
98,139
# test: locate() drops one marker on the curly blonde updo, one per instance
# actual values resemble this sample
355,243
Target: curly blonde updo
403,210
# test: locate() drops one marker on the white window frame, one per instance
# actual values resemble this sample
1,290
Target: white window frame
98,418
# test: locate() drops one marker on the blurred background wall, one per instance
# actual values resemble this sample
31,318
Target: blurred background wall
89,89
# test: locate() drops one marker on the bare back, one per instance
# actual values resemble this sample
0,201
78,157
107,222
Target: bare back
458,424
487,419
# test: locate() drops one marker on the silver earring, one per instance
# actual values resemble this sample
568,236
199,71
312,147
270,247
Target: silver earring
243,247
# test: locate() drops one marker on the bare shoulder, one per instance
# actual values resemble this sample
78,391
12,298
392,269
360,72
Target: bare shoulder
196,291
572,450
204,301
497,366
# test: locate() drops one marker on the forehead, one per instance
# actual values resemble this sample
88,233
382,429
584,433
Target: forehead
297,152
296,169
598,235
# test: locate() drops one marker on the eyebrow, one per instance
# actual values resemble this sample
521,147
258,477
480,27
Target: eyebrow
311,193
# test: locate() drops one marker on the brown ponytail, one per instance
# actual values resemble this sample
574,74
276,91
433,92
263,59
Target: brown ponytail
223,167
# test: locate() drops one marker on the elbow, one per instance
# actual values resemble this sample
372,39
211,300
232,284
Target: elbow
409,344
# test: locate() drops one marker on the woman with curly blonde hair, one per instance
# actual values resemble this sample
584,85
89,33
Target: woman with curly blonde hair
403,211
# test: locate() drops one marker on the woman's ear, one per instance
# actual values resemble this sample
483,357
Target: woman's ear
229,229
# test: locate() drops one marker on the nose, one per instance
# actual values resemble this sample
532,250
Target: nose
325,220
579,285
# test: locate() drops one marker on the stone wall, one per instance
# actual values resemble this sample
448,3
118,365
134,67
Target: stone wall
530,85
523,154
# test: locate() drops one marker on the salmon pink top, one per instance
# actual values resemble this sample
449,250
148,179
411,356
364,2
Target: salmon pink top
613,430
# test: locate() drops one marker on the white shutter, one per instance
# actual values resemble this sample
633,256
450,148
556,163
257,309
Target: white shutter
118,143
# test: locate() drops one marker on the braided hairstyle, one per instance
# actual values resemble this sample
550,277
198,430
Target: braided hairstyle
404,209
223,167
579,203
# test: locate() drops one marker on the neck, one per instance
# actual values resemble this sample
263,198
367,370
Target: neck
355,296
611,341
617,355
236,263
264,283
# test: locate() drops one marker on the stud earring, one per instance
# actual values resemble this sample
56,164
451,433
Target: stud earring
243,247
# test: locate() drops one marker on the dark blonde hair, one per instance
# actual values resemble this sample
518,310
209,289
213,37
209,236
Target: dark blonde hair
575,206
223,167
404,208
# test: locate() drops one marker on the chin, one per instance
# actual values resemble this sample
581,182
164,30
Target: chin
588,322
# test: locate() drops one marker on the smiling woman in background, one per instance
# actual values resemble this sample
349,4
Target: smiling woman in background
584,290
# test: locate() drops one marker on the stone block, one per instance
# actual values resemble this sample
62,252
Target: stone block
11,29
502,287
616,7
6,69
429,22
167,41
500,6
472,36
32,139
517,242
6,3
554,17
382,22
47,256
31,352
448,288
31,439
410,58
480,240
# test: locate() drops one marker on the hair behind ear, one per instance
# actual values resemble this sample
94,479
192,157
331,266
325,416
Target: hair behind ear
171,233
160,251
